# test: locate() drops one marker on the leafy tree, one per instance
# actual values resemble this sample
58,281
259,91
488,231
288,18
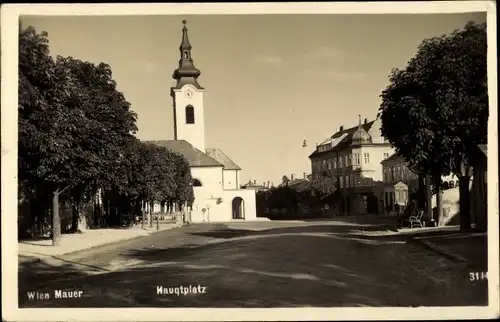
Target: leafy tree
323,188
184,190
47,131
72,122
435,111
111,118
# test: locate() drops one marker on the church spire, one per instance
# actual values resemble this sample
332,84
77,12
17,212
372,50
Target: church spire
186,73
185,45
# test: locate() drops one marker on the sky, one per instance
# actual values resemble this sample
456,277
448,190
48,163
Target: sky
272,81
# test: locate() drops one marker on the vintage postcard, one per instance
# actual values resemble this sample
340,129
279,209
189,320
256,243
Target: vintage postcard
239,161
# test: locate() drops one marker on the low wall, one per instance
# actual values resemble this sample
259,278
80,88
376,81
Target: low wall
219,208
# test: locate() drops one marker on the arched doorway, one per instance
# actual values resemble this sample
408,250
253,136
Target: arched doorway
238,208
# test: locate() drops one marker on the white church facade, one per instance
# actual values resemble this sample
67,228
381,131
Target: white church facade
216,178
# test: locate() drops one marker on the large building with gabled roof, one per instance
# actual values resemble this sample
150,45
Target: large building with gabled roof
216,177
352,157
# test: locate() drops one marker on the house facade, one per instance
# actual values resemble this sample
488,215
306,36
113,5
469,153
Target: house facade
352,156
216,178
399,182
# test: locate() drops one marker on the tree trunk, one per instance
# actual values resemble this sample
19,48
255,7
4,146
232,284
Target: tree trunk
56,221
75,217
151,210
428,198
439,202
36,214
464,203
478,199
421,192
143,215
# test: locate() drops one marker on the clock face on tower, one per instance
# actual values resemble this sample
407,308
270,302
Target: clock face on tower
188,93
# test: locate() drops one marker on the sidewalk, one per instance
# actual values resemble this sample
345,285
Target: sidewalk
470,248
82,241
465,247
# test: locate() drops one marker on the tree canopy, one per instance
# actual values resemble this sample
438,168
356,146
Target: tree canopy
435,111
311,193
76,132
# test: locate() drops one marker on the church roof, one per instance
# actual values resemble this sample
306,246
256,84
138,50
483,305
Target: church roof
222,158
194,156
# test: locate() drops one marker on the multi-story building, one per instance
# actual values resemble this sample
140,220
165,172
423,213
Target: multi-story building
400,181
352,156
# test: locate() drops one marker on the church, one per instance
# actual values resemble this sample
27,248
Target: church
216,178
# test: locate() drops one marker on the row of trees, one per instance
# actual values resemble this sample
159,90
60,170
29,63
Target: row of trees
435,111
76,137
312,194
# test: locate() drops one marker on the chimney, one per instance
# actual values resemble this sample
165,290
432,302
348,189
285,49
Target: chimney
341,128
292,176
305,175
255,182
268,184
366,121
264,184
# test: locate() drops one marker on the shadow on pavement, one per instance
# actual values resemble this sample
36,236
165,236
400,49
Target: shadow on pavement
319,265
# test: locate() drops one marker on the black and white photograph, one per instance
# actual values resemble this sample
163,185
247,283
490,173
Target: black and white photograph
237,156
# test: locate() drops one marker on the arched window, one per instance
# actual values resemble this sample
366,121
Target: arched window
189,114
186,56
196,183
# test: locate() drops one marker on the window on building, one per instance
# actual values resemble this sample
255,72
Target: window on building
186,56
393,174
357,160
340,163
329,164
335,163
341,182
189,114
347,159
347,181
366,157
386,155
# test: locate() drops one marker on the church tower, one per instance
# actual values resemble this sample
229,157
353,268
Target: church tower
187,95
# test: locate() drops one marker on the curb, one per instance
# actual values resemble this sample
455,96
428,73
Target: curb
439,250
41,257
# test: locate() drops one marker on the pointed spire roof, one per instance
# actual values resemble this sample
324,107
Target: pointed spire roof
186,73
185,45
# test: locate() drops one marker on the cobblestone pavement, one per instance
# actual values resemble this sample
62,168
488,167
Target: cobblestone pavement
327,264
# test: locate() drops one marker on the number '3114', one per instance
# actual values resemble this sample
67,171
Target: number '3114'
478,276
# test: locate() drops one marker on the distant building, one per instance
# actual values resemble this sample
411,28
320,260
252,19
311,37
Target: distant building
399,181
264,186
292,181
353,157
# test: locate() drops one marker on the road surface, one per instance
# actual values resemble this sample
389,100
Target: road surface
268,264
